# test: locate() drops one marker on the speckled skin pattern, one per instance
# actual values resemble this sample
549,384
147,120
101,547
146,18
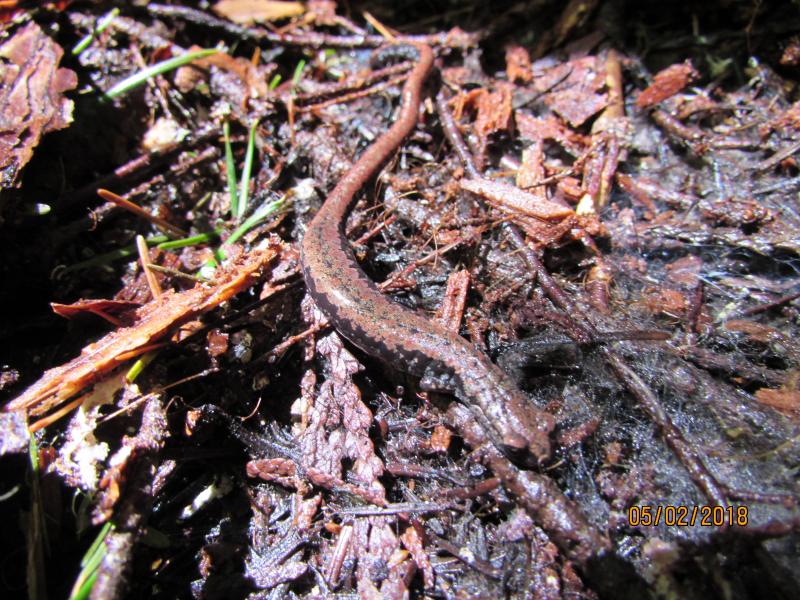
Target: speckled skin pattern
404,338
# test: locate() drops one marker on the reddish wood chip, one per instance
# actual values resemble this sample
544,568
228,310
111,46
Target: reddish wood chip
543,221
576,435
665,301
440,439
216,343
494,111
31,97
111,310
455,297
756,332
685,271
531,170
667,83
791,56
413,539
790,119
518,64
785,401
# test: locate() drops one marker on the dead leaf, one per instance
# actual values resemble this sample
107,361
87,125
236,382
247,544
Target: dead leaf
493,111
511,199
31,97
254,76
575,90
246,12
549,128
217,343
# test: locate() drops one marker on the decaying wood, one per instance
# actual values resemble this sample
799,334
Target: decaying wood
155,321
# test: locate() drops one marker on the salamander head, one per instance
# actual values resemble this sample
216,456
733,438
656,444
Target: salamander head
529,447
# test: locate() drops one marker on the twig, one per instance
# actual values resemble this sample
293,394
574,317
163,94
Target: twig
671,434
140,212
144,259
309,39
350,84
351,96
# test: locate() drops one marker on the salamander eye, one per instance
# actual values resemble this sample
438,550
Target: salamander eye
515,447
520,456
515,442
524,451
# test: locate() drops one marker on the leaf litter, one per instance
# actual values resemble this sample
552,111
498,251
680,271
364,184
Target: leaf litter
650,308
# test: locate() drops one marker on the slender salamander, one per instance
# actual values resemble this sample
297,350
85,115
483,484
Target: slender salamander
413,342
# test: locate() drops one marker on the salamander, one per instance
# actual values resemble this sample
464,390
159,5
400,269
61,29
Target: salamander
411,341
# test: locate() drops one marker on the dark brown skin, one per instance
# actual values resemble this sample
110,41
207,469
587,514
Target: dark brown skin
411,341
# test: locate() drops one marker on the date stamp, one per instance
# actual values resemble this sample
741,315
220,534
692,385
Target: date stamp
679,515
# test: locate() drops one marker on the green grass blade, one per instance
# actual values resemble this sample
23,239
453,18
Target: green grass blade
35,529
139,366
109,257
101,26
137,79
254,219
194,240
298,73
90,563
84,591
95,547
231,169
244,189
